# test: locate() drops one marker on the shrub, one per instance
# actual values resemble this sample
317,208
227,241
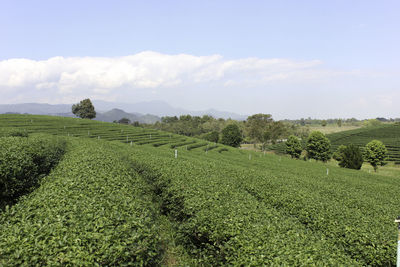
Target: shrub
351,157
231,136
23,161
318,146
293,147
375,153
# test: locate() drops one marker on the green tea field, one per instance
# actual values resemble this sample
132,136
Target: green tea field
124,195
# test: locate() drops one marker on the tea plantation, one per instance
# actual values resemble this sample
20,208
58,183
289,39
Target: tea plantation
119,196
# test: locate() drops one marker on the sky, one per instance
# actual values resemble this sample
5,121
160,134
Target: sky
291,59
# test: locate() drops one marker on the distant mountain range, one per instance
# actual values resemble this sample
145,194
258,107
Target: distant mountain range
143,112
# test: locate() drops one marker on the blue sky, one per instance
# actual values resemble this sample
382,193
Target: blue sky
347,50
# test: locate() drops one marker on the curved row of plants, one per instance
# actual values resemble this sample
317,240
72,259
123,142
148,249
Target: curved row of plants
90,210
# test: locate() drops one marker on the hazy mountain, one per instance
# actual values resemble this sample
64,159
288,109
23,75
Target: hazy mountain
158,108
161,109
117,114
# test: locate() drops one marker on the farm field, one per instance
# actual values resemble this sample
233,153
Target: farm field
389,134
120,197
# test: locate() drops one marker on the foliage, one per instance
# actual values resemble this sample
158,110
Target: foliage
375,153
350,157
90,211
212,136
318,146
389,134
124,121
225,209
231,136
24,161
293,147
339,122
323,123
13,132
256,126
84,109
338,154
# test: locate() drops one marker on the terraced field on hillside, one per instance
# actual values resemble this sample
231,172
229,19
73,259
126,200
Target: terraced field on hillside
113,203
388,134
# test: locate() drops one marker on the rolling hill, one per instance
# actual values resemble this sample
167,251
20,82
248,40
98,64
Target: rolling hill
124,195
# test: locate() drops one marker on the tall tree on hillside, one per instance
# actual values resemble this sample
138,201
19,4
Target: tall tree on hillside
375,153
256,126
293,147
231,135
318,146
84,109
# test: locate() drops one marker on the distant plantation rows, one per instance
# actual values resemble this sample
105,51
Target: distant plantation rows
97,130
110,203
388,134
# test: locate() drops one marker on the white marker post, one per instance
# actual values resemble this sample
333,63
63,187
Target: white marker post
131,143
176,153
398,241
249,156
327,171
98,137
88,133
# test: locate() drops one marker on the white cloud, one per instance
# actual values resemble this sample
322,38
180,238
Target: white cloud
246,85
151,70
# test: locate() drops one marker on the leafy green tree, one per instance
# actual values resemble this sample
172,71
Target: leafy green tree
323,123
124,121
84,109
318,146
293,147
212,136
257,125
338,155
339,122
231,135
375,153
351,157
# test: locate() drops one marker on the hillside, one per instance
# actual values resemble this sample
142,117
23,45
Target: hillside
135,201
389,134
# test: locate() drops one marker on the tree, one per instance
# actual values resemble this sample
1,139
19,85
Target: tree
338,155
124,121
212,136
349,157
323,123
339,122
318,146
231,135
293,147
84,109
375,153
257,125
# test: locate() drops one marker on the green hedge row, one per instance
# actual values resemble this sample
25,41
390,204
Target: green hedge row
91,210
24,161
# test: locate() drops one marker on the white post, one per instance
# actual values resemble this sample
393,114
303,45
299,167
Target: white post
131,143
88,133
176,153
398,242
150,136
327,171
98,137
249,156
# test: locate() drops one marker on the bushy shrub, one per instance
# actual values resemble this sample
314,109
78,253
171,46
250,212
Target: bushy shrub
375,153
23,161
351,157
293,147
4,132
318,146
